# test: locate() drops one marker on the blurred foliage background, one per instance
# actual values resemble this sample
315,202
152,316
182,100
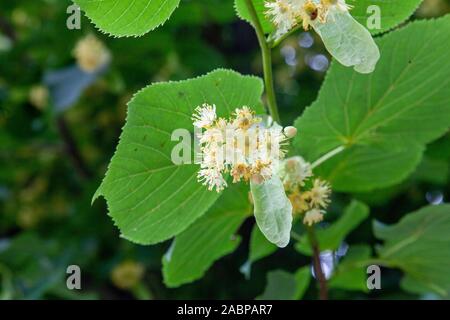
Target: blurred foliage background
52,162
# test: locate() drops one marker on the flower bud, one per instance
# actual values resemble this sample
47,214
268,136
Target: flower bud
290,132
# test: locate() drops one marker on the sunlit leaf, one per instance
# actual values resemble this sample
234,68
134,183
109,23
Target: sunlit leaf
242,11
128,17
149,197
383,119
391,12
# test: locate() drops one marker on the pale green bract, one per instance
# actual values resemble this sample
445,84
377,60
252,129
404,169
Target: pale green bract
348,41
273,210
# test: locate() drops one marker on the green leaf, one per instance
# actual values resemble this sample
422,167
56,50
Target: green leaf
351,273
434,171
332,237
393,12
211,237
383,119
149,197
364,168
260,248
128,17
282,285
419,245
273,210
242,12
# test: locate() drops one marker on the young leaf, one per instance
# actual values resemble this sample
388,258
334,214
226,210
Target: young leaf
419,245
331,238
383,119
391,13
282,285
348,41
208,239
242,12
128,17
149,197
273,210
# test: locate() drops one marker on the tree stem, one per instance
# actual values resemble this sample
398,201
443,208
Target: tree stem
266,53
323,287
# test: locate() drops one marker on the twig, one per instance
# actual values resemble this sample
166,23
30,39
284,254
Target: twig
72,149
323,287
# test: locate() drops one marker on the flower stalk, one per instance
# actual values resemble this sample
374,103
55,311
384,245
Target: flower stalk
266,53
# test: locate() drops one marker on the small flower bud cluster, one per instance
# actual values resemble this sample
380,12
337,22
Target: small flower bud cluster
242,146
287,14
308,195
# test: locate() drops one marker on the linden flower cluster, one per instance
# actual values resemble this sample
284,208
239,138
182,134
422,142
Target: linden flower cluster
242,146
91,54
308,195
286,14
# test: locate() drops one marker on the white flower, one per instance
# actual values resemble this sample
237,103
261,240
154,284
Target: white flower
338,4
245,118
283,15
327,5
320,194
294,171
212,178
241,146
313,216
205,116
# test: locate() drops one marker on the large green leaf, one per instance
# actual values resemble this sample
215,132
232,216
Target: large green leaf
273,210
128,17
259,248
383,119
149,197
419,245
242,12
332,237
351,272
208,239
393,12
282,285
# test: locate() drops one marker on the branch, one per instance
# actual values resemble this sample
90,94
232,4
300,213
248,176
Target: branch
323,293
72,149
